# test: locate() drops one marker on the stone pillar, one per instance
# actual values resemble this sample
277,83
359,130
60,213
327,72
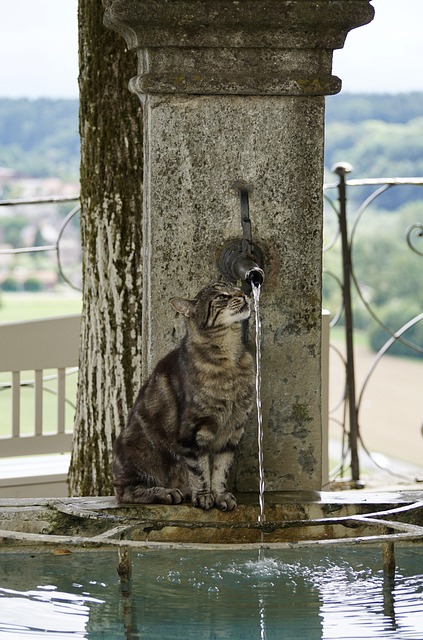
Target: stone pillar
235,91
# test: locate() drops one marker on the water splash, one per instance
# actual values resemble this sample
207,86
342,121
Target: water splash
262,610
256,296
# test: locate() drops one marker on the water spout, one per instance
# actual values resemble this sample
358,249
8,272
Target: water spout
247,269
236,264
255,276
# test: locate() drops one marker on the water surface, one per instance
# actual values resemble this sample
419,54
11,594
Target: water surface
306,594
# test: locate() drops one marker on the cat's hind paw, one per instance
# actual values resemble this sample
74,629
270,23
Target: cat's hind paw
225,502
203,500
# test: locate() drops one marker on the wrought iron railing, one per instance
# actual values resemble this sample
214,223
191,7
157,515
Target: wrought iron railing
54,247
350,284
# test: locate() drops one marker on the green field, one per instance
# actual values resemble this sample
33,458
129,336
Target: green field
15,307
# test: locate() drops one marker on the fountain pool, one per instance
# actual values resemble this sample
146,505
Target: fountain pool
338,593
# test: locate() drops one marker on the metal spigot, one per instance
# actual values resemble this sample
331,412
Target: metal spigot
242,259
235,264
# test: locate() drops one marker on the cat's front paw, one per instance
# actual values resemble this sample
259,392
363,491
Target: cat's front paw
225,502
203,500
168,496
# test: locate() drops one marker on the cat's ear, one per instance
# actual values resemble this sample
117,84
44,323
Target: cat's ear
185,307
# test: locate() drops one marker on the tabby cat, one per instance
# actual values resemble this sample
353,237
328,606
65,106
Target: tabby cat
189,416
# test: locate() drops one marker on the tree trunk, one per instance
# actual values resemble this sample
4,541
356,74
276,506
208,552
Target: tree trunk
111,212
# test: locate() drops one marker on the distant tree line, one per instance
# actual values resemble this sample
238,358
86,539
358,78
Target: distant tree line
380,135
39,138
393,108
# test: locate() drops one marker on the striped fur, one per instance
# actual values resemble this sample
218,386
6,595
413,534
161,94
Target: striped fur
189,416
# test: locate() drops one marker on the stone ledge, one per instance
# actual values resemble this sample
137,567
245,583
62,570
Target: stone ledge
291,519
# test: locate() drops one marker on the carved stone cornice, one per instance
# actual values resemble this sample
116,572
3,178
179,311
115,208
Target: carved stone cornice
243,47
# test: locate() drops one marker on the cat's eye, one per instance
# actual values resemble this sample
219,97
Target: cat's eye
222,296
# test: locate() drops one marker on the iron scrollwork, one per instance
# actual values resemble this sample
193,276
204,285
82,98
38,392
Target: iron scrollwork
348,282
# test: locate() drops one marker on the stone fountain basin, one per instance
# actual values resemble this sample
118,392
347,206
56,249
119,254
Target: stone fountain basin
291,518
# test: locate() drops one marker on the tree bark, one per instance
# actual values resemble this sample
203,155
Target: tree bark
111,213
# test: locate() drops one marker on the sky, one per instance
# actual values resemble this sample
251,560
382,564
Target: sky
38,49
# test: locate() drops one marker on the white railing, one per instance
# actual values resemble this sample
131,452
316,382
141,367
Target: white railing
36,357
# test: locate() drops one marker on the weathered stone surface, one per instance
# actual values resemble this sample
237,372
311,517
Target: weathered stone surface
197,147
234,91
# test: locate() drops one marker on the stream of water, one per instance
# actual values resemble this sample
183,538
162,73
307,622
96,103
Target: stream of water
261,517
256,296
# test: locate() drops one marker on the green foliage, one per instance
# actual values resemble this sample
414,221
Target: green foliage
376,148
10,284
358,107
387,273
380,136
383,263
32,284
395,314
11,229
40,138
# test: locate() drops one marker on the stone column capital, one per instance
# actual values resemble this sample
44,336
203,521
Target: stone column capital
240,47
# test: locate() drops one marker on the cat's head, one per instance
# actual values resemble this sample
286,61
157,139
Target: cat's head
218,305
